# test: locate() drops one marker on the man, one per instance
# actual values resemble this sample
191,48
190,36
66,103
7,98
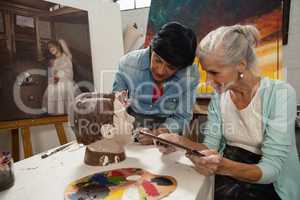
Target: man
161,81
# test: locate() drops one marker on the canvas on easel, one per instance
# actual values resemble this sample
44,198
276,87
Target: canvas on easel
46,58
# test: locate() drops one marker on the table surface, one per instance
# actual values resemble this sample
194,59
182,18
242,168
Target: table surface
47,179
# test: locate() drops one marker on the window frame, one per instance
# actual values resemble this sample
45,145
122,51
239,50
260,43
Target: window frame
134,6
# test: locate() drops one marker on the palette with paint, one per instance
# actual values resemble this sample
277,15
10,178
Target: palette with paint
121,184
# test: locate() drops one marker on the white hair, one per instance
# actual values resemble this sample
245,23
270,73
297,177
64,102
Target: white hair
231,45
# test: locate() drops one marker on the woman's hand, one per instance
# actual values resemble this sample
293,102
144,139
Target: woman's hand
208,164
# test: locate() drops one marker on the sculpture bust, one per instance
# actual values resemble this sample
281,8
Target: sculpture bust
101,122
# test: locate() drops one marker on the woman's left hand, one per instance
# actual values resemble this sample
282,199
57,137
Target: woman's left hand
208,164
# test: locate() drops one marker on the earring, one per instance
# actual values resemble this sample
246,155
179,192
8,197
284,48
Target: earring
241,75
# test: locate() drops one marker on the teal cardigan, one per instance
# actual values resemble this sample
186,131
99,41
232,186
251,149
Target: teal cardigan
280,161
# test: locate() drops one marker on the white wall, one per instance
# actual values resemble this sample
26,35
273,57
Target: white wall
291,53
138,16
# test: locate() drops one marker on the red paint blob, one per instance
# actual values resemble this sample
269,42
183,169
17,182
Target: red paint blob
117,173
150,189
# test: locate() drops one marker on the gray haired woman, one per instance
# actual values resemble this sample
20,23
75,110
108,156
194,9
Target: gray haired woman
250,133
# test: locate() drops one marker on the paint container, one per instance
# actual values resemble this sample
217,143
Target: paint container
7,178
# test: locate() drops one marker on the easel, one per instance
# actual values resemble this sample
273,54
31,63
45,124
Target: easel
25,125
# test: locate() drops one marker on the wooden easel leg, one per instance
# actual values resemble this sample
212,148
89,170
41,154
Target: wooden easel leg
61,133
15,144
26,142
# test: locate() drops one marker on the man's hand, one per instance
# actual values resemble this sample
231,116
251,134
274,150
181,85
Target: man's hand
172,137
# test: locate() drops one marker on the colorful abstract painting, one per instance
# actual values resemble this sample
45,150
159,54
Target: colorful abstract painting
204,16
121,184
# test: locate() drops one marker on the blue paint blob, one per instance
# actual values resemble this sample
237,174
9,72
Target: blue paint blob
162,181
100,179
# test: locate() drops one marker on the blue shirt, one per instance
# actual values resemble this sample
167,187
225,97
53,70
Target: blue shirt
280,162
134,74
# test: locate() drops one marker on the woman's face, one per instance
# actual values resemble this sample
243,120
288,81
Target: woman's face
161,70
53,49
221,77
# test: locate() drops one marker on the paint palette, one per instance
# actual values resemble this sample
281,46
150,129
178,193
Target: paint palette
121,184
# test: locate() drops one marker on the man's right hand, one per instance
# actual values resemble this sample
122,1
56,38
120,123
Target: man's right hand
146,140
142,139
172,137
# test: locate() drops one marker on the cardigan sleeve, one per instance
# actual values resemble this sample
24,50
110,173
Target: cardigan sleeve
213,127
279,132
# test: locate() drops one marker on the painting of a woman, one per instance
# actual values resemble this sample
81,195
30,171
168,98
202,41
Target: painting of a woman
60,90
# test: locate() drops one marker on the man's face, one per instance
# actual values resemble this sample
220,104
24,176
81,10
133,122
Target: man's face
161,70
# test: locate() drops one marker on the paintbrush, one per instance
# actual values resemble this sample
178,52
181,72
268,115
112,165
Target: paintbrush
56,150
167,142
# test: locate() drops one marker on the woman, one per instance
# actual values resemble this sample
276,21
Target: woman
60,90
250,134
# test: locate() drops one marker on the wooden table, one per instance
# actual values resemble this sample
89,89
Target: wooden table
47,179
